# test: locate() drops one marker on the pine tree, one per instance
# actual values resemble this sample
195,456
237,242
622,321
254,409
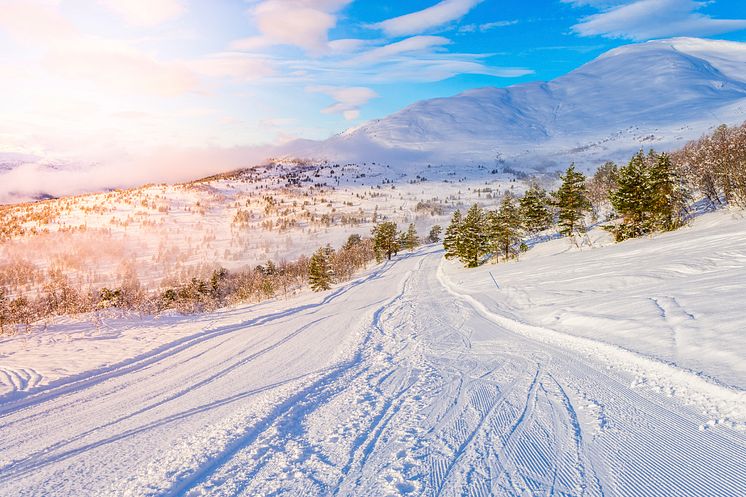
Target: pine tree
353,241
434,236
572,201
669,195
474,242
534,209
649,196
385,243
632,199
411,240
319,271
270,268
452,238
505,228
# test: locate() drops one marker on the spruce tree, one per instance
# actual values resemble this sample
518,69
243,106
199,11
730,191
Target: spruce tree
385,243
633,198
669,195
434,236
353,241
534,209
649,196
319,271
452,238
474,241
411,240
572,202
504,228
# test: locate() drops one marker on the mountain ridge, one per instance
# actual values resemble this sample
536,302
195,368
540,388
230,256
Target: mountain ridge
659,93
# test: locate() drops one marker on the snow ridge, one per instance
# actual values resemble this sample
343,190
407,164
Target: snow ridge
653,94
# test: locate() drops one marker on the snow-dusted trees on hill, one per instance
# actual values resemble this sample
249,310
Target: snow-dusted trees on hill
409,238
505,228
385,240
571,200
320,272
534,209
470,238
197,293
716,165
599,187
650,196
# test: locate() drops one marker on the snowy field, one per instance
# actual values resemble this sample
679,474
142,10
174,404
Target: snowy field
161,234
616,370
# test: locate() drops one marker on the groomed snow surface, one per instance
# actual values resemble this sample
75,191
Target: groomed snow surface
616,370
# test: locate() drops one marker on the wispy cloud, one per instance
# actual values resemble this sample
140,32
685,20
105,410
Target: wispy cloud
647,19
301,23
236,66
422,21
347,100
145,12
487,26
408,45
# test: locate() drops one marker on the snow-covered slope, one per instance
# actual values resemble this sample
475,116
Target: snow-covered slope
419,378
658,94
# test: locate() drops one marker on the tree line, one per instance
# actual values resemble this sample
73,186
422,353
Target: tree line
386,241
653,192
200,293
221,287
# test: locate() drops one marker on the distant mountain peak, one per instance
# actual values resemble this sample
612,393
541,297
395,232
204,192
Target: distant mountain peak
658,93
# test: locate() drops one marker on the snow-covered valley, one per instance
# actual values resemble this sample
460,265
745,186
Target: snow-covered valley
612,370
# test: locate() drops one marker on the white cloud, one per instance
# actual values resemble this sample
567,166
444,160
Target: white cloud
146,13
231,65
487,26
301,23
35,22
167,164
433,69
418,22
347,45
120,70
251,43
599,4
348,100
111,65
408,45
647,19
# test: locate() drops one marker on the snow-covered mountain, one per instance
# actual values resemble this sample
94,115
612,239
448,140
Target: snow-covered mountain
660,94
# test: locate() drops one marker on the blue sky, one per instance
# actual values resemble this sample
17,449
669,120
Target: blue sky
171,81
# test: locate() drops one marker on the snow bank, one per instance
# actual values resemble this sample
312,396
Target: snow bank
664,309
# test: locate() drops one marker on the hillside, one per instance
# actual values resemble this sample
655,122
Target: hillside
170,233
418,378
655,94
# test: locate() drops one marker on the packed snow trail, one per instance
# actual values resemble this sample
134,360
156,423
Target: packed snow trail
390,385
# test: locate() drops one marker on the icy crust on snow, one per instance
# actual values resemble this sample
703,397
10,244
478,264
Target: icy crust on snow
665,309
655,94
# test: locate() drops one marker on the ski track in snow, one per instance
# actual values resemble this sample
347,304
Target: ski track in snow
395,384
